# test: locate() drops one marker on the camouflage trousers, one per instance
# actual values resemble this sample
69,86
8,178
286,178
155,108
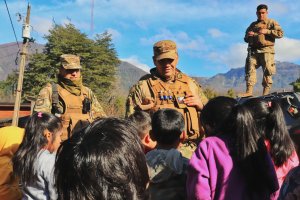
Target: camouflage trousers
266,60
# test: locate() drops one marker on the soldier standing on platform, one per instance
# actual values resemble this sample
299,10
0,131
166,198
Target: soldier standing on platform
260,36
69,99
168,87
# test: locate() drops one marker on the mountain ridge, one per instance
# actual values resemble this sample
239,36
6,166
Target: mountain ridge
129,74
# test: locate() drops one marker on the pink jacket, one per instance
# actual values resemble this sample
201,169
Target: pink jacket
283,170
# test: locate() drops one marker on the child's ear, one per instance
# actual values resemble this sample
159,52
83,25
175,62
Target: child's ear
182,136
147,139
47,135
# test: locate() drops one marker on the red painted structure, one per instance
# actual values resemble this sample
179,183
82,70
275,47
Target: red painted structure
7,110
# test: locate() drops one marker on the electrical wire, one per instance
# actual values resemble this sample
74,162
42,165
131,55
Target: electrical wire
12,24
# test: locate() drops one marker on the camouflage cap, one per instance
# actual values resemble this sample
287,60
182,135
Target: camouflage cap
165,49
69,61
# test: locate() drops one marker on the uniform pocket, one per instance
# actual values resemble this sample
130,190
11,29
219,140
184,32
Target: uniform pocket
271,69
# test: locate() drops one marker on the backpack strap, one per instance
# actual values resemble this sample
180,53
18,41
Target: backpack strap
55,99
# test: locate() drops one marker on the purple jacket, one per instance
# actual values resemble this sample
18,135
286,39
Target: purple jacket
212,173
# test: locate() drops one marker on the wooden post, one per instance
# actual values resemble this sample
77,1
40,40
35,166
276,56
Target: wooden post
23,54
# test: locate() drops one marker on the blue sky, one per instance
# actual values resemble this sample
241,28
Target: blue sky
209,33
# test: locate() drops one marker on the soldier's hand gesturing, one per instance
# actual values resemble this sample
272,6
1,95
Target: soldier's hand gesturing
192,100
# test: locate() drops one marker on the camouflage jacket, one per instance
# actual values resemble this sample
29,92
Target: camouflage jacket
141,93
44,102
274,31
167,173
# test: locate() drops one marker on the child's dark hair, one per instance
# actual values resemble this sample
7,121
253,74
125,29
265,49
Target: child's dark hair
142,121
167,126
271,125
33,141
104,161
225,116
215,112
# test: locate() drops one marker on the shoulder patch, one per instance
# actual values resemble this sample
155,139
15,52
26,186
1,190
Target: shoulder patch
179,75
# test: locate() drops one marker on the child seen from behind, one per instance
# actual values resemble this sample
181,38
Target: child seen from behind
34,161
291,186
231,163
142,121
167,166
272,128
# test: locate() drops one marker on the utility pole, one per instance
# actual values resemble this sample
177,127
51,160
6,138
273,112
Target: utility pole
26,37
92,16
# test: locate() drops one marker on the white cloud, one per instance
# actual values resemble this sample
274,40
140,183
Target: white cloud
236,55
287,49
278,8
182,39
155,10
144,12
142,24
66,21
41,25
162,35
83,25
216,33
115,34
192,44
83,2
185,22
233,57
136,62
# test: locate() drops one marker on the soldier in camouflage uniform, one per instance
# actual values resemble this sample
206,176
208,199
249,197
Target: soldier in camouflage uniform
260,36
168,87
69,99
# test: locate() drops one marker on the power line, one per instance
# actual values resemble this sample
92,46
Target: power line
11,23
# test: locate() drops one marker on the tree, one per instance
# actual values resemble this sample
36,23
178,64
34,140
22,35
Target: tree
102,63
98,59
8,86
296,85
37,73
210,93
231,93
